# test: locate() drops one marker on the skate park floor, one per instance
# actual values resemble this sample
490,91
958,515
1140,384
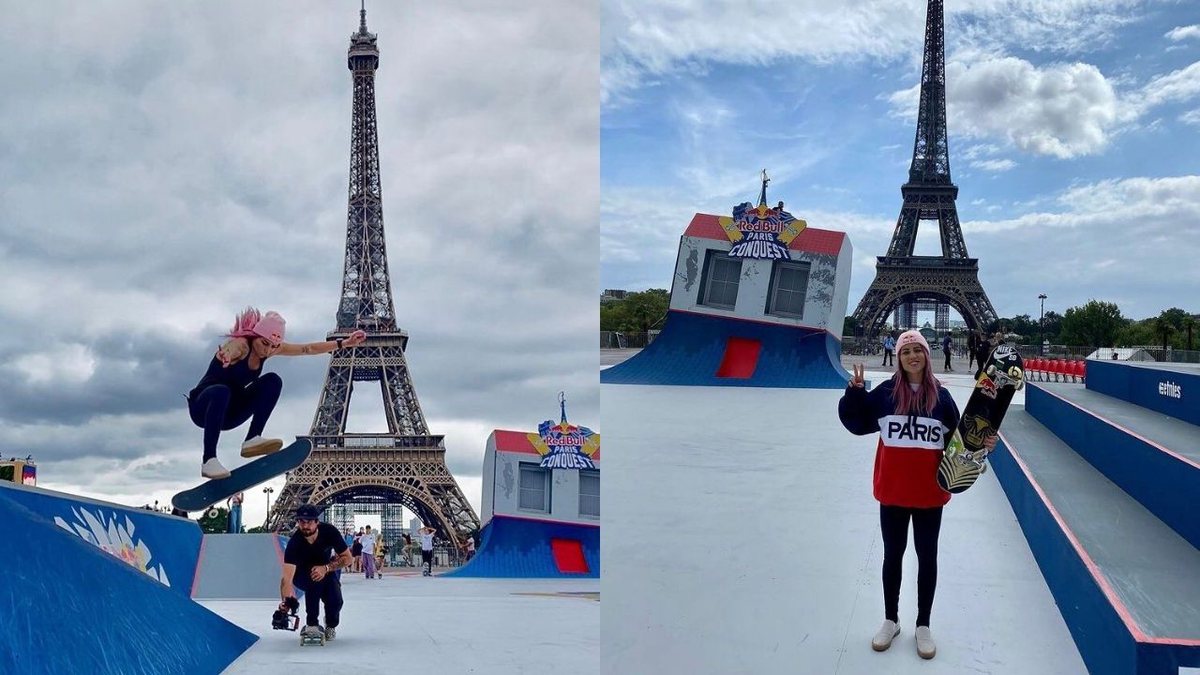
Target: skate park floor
409,623
741,536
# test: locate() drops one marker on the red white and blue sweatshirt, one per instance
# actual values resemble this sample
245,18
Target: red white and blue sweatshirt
910,446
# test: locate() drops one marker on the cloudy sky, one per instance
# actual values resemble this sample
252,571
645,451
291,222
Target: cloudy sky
1074,136
162,165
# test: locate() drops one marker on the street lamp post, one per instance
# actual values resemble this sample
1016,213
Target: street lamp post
1041,326
267,491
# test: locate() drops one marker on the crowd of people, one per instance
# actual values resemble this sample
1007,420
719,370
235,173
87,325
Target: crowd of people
979,346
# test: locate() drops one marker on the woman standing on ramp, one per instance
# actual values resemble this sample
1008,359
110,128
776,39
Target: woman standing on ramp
915,417
235,389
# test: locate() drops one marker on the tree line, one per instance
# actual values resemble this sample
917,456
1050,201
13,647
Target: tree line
1098,324
1095,323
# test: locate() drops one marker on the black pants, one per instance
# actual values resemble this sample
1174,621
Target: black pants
327,590
893,523
887,356
218,408
947,366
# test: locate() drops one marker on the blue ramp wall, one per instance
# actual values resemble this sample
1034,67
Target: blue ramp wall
68,607
1163,483
165,548
690,347
1168,392
520,548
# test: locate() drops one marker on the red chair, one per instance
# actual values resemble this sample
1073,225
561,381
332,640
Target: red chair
1032,367
1080,369
1059,368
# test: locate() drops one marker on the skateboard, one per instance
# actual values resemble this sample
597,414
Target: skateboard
313,640
244,477
962,460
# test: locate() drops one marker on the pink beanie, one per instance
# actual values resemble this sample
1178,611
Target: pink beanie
909,337
250,323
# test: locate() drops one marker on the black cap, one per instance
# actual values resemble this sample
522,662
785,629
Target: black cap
308,512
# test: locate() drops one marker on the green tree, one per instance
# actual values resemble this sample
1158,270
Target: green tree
1052,326
1095,324
1163,329
214,520
636,312
1136,333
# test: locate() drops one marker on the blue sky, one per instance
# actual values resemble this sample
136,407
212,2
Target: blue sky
1074,128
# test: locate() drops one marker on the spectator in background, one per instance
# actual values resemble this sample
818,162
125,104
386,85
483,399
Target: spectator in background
946,343
972,345
356,551
889,349
368,552
982,353
426,536
381,551
470,546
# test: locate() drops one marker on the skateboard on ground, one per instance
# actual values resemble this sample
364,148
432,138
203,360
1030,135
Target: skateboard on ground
244,477
313,640
962,460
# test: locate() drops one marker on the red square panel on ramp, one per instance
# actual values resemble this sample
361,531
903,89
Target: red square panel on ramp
741,358
568,556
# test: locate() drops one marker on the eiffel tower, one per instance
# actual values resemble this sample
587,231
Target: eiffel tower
904,281
407,465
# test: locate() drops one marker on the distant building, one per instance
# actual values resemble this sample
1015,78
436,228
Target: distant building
612,295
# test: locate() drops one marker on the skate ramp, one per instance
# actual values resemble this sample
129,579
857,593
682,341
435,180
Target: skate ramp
239,567
161,546
521,548
700,350
66,606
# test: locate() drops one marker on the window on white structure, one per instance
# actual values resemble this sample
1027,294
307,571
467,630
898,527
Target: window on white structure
534,488
589,493
720,284
789,286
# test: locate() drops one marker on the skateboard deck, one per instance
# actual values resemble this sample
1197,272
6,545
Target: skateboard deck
314,641
244,477
962,460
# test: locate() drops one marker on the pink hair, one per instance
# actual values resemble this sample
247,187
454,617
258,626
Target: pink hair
244,323
924,399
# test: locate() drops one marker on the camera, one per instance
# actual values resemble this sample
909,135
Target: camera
280,619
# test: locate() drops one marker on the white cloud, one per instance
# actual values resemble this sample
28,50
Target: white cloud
1191,117
644,40
1183,33
995,165
1179,85
1063,110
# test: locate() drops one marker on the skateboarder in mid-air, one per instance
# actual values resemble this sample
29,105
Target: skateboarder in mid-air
235,389
307,566
914,417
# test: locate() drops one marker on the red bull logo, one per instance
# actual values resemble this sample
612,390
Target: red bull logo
761,231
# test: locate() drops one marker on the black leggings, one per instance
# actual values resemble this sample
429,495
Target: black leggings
893,523
328,590
219,408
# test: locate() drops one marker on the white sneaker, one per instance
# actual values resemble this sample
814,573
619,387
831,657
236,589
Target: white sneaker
883,639
260,446
925,646
213,469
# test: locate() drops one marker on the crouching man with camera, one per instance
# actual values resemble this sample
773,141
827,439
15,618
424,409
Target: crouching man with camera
307,566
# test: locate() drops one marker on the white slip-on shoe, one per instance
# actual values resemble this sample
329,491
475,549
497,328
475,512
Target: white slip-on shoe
883,639
253,447
925,647
213,468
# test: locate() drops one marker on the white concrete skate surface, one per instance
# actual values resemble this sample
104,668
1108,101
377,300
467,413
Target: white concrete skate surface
413,624
740,536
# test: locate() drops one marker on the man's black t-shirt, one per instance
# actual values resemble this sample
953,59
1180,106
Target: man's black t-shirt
306,556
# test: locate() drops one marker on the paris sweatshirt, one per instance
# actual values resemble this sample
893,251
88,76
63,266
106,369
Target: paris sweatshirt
910,446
